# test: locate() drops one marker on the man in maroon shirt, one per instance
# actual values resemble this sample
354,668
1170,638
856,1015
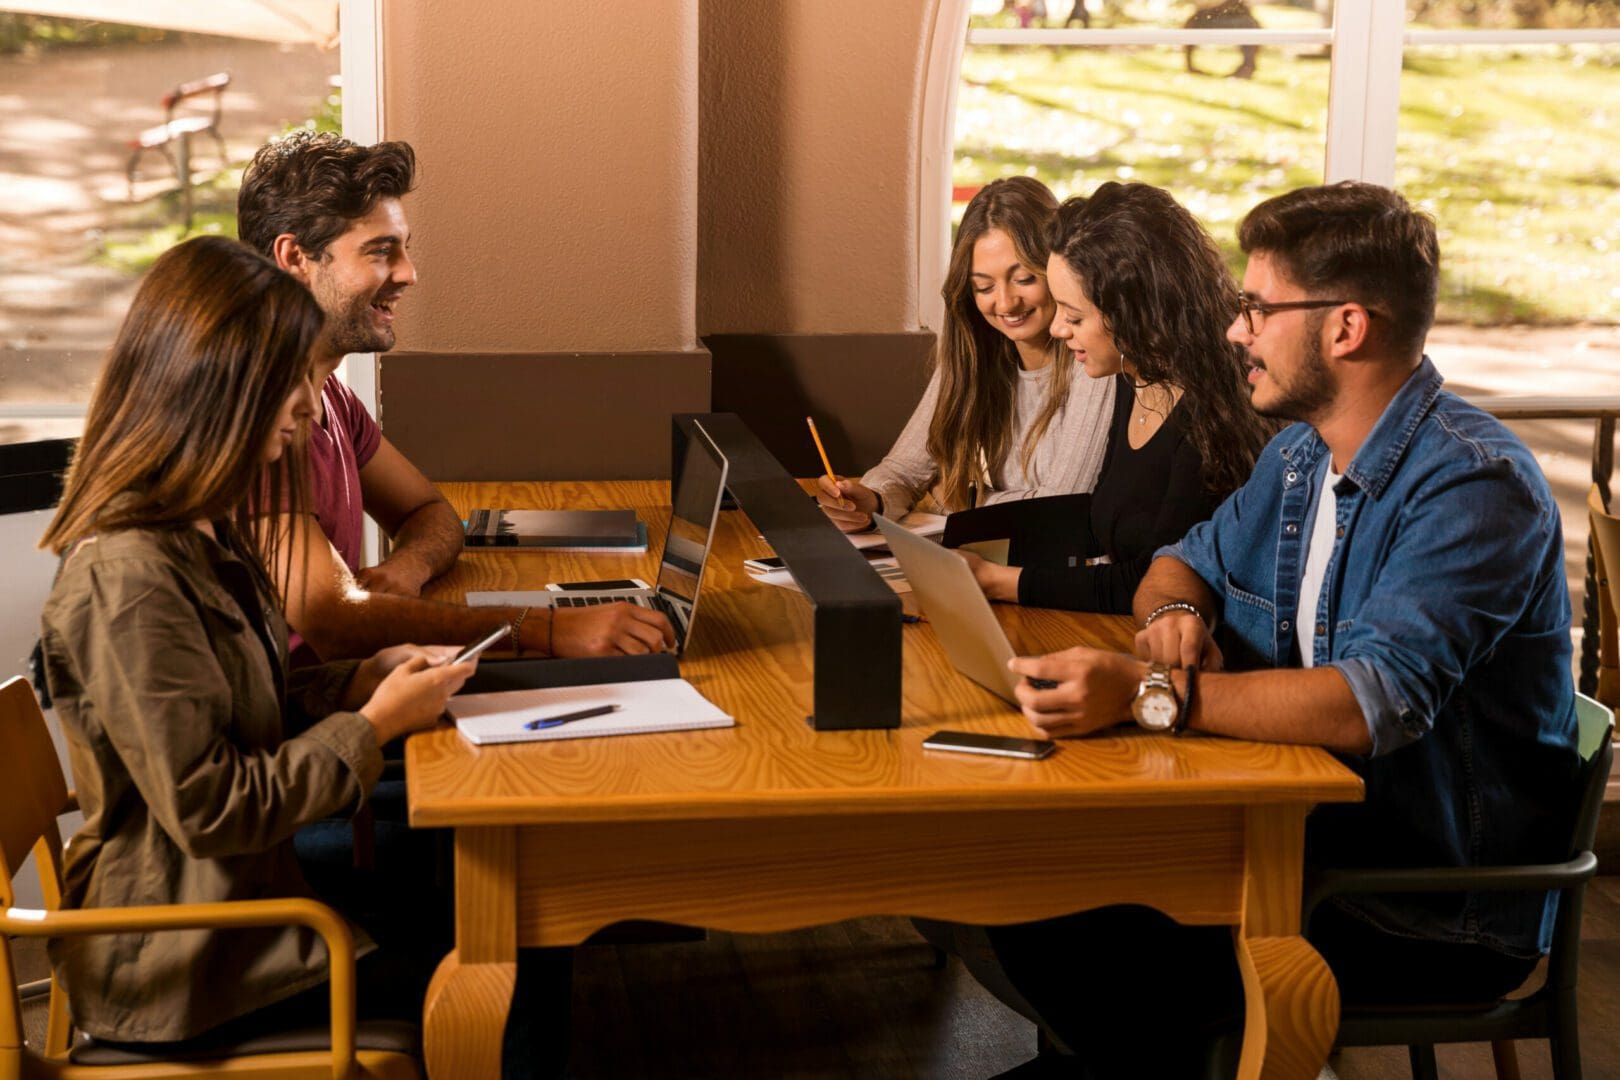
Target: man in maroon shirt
328,211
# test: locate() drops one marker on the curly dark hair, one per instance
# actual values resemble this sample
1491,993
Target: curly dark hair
312,184
1359,241
1167,299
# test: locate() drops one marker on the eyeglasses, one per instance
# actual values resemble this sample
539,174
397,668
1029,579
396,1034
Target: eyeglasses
1255,311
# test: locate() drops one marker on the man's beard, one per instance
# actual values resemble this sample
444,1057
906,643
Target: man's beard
1310,390
352,330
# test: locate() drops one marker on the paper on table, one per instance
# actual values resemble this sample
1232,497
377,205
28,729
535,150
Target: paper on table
887,569
930,525
647,706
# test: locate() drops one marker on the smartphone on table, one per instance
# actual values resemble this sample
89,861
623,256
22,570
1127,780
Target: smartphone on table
968,742
765,565
615,584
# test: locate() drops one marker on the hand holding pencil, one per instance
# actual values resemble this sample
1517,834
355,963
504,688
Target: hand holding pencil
849,503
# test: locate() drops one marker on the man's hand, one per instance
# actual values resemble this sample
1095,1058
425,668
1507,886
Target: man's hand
849,503
1095,689
609,630
400,575
1180,639
998,582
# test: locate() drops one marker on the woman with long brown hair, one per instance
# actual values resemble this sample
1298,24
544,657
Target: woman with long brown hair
1143,301
196,757
1007,414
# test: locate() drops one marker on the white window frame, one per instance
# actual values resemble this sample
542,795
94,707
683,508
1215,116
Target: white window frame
361,62
1368,39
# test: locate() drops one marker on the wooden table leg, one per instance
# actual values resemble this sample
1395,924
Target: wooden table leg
1292,1011
464,1018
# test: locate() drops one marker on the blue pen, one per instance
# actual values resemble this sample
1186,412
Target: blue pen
556,721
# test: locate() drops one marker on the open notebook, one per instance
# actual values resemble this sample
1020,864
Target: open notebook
644,706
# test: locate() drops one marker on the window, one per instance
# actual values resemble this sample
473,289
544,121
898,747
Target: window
88,207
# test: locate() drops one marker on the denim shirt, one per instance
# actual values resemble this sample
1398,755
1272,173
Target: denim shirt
1444,606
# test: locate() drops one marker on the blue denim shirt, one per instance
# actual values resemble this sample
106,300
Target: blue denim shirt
1445,607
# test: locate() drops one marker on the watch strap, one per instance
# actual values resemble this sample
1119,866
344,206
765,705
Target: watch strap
1184,716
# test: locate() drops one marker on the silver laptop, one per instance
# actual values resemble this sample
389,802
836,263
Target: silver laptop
956,608
694,510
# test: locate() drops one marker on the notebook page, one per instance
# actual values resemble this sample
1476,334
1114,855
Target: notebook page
645,706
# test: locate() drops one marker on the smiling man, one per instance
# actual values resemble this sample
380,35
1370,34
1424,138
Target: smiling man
329,212
1388,585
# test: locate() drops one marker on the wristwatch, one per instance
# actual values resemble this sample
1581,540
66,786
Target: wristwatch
1156,707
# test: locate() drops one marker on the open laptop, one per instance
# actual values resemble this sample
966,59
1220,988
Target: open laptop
695,508
956,608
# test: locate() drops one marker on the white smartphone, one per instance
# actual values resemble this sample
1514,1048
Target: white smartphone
967,742
614,585
766,565
482,643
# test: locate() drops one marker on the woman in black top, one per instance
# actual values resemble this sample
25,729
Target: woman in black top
1143,297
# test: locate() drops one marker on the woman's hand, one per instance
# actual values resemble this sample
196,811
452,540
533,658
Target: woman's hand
372,670
413,694
849,503
998,582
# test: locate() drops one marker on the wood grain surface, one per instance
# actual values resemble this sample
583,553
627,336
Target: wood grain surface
771,825
751,655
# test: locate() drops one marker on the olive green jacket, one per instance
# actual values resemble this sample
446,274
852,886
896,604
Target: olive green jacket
195,759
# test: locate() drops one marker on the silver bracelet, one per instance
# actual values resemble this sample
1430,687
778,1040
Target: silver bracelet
1174,605
517,624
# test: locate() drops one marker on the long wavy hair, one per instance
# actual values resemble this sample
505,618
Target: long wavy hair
1167,299
972,428
214,342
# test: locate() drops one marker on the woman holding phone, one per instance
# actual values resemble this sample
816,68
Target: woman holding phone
1143,301
1007,413
195,754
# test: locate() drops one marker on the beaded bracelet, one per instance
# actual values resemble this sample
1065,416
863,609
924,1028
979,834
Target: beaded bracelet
517,642
1174,605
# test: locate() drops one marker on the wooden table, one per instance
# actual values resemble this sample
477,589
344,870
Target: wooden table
771,826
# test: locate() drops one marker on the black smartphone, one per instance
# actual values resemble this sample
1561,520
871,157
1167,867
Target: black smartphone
967,742
597,586
482,643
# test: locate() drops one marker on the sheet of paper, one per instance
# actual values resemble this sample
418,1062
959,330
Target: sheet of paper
647,706
989,550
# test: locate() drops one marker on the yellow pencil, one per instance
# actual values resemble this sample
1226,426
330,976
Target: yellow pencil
822,450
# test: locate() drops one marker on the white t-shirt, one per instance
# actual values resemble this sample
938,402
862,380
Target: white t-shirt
1316,560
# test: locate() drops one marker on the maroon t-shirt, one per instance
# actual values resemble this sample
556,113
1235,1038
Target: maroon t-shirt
339,447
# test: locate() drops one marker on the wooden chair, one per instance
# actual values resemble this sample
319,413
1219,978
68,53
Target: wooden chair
35,794
1606,575
1549,1012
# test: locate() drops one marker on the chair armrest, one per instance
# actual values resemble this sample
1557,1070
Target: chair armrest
236,914
1326,883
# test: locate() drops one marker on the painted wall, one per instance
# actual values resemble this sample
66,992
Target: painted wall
558,192
808,164
627,176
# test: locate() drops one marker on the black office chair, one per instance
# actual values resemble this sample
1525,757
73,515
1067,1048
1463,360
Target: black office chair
1549,1013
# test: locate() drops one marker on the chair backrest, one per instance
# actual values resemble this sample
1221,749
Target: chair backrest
1606,575
35,794
1595,723
214,84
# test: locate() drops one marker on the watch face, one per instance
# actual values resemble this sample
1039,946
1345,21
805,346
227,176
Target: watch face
1156,710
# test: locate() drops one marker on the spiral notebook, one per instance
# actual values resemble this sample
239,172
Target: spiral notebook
644,706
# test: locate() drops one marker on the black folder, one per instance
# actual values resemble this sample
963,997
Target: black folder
1051,531
494,676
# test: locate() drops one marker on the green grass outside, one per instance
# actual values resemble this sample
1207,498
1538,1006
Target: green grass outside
1516,152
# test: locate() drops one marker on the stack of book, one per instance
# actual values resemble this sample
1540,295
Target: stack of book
616,531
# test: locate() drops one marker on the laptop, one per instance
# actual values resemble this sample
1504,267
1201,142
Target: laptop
956,608
694,511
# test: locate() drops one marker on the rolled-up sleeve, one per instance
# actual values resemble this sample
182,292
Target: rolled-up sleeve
148,669
1457,578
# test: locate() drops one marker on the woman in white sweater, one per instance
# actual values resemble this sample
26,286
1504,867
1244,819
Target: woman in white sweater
1007,413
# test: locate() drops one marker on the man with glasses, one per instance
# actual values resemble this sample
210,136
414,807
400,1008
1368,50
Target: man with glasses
1388,585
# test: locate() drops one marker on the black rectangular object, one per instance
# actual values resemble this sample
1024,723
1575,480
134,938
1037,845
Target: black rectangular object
856,648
